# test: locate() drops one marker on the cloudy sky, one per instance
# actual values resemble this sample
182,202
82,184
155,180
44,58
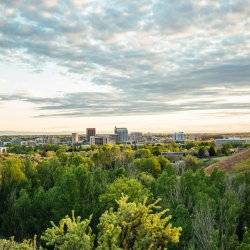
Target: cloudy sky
150,65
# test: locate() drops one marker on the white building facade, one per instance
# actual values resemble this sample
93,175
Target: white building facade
75,138
179,137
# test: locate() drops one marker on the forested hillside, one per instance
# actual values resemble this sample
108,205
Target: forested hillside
117,197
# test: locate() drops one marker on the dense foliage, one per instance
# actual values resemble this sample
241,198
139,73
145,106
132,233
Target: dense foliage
114,190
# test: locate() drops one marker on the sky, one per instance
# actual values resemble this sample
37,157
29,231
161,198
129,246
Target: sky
149,65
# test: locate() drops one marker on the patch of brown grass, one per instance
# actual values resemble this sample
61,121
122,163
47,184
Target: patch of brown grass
229,164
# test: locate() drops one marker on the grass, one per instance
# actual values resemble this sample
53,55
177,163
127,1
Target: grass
242,166
209,161
238,162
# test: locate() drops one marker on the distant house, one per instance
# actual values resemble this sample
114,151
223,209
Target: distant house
3,150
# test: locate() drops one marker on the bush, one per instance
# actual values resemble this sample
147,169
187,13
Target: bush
136,226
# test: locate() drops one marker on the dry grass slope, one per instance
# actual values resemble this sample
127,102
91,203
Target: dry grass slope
236,162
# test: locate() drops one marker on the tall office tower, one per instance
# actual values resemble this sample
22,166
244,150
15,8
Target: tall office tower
75,138
90,132
179,137
122,134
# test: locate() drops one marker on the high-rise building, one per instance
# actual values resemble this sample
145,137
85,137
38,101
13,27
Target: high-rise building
75,138
179,137
122,134
90,132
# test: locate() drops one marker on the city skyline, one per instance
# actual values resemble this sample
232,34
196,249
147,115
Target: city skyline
150,66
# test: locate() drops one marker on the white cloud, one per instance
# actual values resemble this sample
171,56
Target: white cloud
159,53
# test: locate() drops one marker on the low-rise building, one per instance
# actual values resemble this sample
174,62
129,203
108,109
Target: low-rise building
231,140
179,137
98,140
30,143
53,140
40,140
24,143
15,141
102,139
135,137
3,150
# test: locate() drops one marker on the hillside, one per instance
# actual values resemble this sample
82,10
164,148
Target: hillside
234,163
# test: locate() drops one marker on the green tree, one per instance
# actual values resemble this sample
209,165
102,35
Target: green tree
229,208
136,226
142,153
146,179
110,157
166,186
202,152
124,186
156,151
212,152
12,245
191,162
71,234
225,150
245,244
150,165
166,165
205,236
12,174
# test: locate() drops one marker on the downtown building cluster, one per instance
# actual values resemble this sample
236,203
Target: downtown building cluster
91,137
120,136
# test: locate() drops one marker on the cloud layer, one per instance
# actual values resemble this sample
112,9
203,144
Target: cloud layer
156,56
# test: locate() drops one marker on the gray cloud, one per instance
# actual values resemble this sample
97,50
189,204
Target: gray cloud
103,104
151,51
